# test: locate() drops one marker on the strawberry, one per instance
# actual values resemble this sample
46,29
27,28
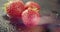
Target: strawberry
14,8
32,5
30,17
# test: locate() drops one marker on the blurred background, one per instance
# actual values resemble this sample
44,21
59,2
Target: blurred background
50,14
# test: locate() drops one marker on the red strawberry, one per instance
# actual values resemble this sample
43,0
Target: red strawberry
30,18
15,8
32,5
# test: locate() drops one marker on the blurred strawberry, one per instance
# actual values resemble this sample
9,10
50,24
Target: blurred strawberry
30,17
14,8
32,5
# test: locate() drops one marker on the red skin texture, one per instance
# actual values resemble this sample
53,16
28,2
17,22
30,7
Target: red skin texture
30,18
32,5
15,8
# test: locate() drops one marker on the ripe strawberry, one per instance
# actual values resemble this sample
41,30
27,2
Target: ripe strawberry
30,18
32,5
15,8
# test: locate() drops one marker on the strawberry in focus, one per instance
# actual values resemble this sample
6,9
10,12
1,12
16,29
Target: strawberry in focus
15,8
30,17
32,5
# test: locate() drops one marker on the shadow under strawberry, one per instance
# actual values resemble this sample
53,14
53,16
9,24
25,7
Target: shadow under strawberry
15,22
